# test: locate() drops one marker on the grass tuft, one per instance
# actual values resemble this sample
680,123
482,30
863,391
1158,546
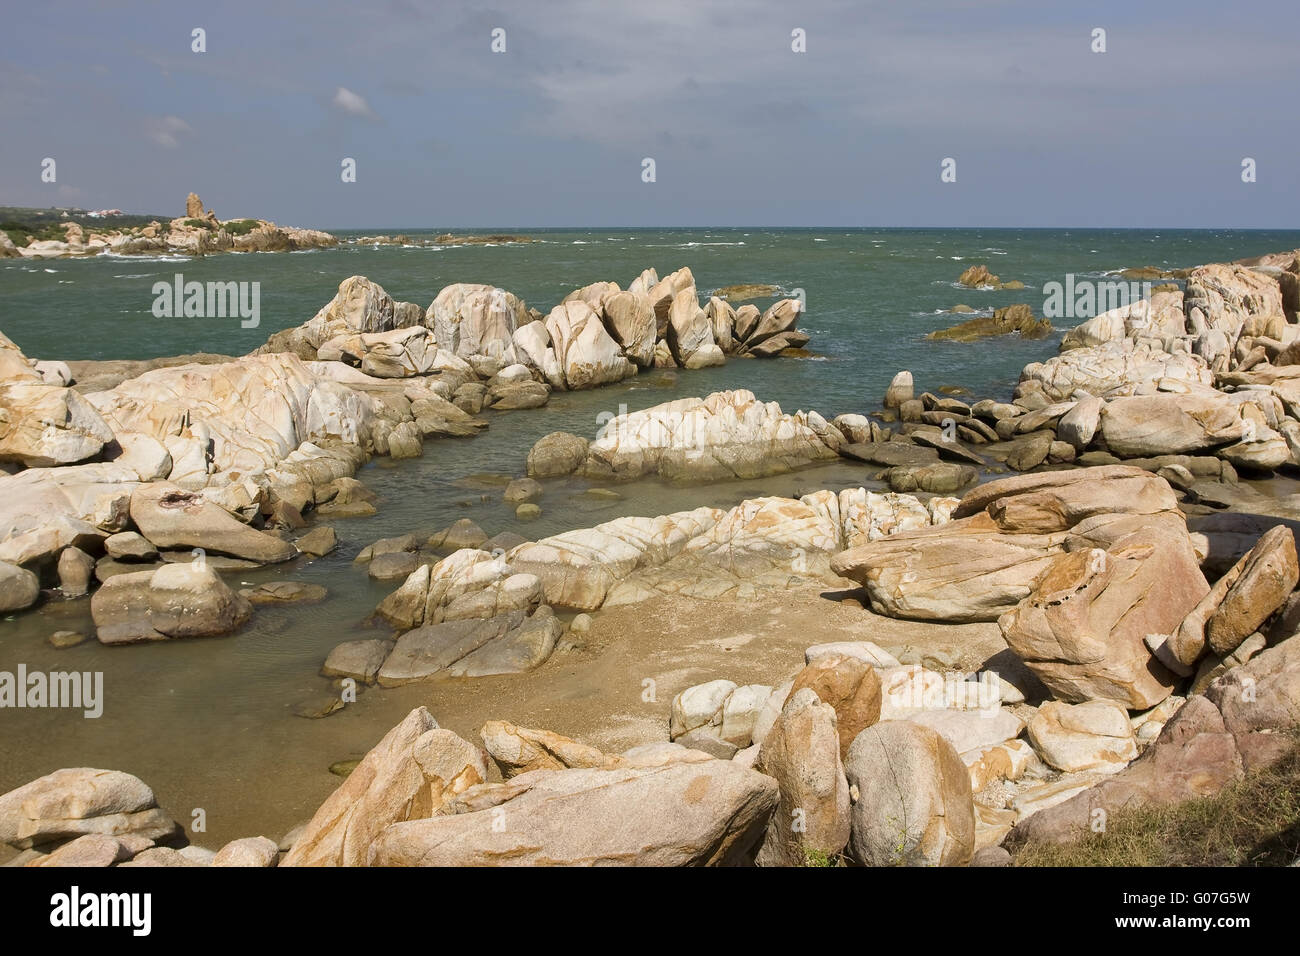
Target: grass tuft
1253,822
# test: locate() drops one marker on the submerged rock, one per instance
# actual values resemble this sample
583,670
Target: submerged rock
1013,318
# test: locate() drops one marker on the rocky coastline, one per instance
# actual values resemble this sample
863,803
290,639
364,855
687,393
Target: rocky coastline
197,233
1104,519
202,233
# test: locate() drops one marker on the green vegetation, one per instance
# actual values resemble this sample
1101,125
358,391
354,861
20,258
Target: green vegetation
1254,822
24,223
21,233
820,858
198,223
240,227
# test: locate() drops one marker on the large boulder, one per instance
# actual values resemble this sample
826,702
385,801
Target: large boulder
43,425
595,294
723,319
780,318
578,568
681,814
900,390
1245,722
359,307
1082,630
689,328
584,350
1092,736
70,803
698,707
260,414
171,518
1113,367
19,588
45,510
534,347
400,353
1003,536
914,805
726,435
556,455
1264,579
1230,298
1159,316
477,320
1170,423
175,600
467,583
802,753
506,643
850,686
521,649
1237,605
962,571
630,321
409,775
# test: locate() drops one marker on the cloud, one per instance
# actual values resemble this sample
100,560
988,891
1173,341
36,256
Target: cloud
167,130
354,104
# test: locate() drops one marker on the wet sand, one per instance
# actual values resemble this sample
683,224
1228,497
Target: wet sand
263,777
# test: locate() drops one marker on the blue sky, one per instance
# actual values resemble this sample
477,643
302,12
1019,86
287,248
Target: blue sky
743,131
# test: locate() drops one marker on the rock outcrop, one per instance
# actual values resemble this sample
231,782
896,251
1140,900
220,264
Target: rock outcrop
679,814
726,435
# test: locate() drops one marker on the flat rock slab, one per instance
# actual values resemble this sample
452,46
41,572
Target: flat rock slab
360,660
890,453
318,541
170,517
521,649
683,814
389,567
285,592
950,449
423,652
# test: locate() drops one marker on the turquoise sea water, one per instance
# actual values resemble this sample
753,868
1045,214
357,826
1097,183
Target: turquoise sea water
871,294
209,722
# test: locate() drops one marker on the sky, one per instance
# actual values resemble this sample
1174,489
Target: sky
743,130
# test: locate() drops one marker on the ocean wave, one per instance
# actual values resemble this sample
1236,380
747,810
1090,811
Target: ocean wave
137,275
